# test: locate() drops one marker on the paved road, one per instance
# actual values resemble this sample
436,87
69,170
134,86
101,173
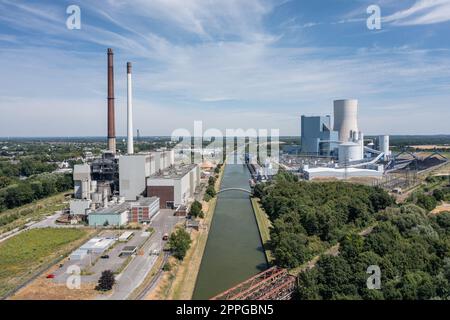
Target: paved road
49,221
140,266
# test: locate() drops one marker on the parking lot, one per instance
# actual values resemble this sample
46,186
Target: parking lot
132,269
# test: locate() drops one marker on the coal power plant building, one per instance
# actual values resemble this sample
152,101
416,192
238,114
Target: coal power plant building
318,138
174,186
136,168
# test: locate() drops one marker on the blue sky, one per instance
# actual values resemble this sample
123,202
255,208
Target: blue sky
230,63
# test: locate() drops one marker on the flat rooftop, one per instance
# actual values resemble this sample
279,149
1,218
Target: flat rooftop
145,202
175,172
114,209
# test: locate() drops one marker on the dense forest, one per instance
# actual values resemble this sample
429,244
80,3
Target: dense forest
308,217
411,248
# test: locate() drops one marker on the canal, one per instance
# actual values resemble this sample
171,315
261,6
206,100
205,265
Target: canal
234,251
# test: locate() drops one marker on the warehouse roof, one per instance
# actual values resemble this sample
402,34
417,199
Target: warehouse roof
145,202
113,209
175,172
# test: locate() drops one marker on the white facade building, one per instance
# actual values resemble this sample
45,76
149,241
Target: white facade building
174,186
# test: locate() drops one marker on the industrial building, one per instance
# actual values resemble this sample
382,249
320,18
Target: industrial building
95,245
115,215
318,138
80,206
135,169
344,143
342,173
174,186
82,181
143,210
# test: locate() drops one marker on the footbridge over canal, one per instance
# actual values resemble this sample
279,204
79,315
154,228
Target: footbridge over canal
235,189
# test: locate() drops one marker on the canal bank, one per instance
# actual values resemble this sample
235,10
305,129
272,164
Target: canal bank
179,283
234,251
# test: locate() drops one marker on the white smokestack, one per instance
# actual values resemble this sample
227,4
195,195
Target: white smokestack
130,146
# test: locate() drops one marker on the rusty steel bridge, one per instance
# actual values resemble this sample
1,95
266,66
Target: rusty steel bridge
273,284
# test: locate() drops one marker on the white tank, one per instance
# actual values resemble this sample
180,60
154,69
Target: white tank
383,142
349,152
361,142
346,118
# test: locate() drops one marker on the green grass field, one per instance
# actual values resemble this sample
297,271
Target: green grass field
25,254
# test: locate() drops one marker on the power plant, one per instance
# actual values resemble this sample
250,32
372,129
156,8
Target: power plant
344,145
111,185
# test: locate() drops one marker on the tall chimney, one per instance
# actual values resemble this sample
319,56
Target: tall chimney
130,147
111,116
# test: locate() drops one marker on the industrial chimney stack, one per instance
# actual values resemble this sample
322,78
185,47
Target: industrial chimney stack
111,116
130,147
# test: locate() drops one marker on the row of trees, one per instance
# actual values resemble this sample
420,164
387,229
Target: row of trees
411,250
35,188
211,190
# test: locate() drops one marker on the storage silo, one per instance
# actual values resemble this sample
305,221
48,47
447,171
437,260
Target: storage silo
383,144
346,118
349,152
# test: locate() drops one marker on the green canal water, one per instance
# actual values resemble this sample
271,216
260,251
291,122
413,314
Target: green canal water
234,251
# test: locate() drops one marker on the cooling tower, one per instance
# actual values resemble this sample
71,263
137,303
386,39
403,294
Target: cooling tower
346,118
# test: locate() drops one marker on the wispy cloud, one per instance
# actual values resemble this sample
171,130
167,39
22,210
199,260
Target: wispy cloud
423,12
193,57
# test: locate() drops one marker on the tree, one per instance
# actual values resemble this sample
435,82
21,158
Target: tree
211,191
439,195
427,202
180,242
106,281
196,209
4,181
207,197
211,181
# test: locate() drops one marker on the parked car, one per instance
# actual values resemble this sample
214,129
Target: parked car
50,276
105,256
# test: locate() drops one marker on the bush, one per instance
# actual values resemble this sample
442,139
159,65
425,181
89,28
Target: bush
106,281
167,267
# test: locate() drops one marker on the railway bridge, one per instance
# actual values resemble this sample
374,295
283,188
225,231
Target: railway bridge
273,284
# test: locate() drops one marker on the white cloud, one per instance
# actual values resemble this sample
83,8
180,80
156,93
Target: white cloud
421,13
255,81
